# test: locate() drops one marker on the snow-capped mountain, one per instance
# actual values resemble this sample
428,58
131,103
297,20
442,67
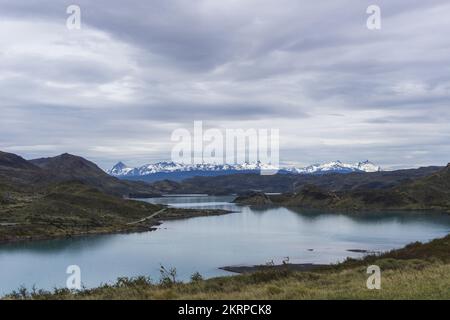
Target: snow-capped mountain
336,167
368,166
121,170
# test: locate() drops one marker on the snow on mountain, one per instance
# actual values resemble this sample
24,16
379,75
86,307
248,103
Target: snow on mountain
122,170
338,167
368,166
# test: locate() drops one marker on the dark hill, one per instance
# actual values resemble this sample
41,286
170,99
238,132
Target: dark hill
12,161
432,191
67,167
18,174
36,175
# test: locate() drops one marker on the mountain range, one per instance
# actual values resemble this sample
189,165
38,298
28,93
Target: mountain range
242,183
68,195
431,192
177,171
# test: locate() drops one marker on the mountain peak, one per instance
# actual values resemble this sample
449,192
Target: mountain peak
67,164
11,160
120,165
368,166
120,169
64,156
447,168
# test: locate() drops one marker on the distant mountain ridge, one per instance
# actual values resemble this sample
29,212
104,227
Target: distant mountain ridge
428,193
120,169
166,170
337,167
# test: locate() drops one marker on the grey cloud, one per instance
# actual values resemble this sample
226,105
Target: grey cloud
139,65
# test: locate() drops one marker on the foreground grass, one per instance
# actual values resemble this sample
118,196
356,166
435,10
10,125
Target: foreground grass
418,271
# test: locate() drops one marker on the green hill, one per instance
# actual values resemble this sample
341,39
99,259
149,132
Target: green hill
431,192
70,196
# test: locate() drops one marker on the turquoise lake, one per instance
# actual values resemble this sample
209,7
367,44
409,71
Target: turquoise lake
246,237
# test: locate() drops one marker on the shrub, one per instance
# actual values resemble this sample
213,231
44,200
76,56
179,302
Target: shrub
196,276
168,276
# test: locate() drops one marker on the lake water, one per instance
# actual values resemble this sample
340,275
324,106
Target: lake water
247,237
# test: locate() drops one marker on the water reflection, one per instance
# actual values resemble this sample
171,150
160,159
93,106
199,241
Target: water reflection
248,236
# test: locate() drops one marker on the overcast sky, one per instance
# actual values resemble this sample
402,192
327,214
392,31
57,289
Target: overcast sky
137,70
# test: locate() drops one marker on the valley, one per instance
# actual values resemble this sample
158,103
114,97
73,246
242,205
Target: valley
67,203
68,196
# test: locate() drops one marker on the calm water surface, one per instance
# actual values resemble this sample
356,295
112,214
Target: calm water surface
247,237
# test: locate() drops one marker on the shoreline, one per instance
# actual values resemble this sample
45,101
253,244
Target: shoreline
297,267
75,235
349,211
143,226
320,281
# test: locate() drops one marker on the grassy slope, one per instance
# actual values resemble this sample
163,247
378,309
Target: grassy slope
38,203
70,208
74,208
418,271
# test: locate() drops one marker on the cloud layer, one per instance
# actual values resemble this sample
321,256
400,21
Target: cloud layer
116,89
